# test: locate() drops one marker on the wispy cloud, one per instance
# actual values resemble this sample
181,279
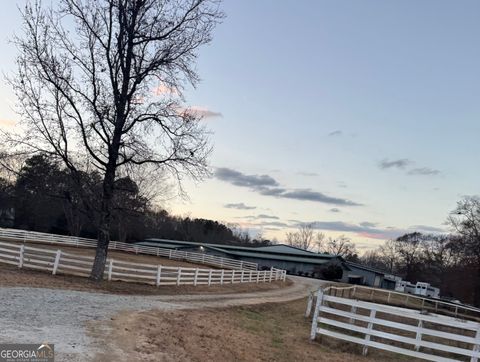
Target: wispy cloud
239,206
204,112
428,229
268,186
424,171
309,195
239,179
163,89
400,163
368,224
372,230
279,224
334,209
7,123
264,216
306,173
335,133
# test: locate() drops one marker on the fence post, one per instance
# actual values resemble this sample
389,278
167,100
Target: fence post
264,276
353,310
158,251
159,273
20,257
114,244
271,274
316,312
57,260
195,277
203,258
170,254
221,276
241,276
418,337
233,276
258,275
241,264
179,275
309,305
367,335
388,298
110,267
476,346
250,276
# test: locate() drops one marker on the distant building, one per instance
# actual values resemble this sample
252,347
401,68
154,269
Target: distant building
294,260
365,275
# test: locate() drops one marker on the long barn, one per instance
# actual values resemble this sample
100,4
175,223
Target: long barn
294,260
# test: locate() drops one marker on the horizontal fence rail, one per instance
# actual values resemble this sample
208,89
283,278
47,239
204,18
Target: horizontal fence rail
58,261
405,331
411,301
34,236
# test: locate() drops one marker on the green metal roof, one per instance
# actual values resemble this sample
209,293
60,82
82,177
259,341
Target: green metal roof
277,252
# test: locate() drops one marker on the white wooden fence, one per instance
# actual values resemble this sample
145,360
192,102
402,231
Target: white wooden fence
410,332
58,261
400,299
33,236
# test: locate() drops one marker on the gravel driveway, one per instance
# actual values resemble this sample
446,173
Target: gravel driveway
34,315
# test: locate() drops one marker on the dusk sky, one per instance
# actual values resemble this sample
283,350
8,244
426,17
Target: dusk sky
360,116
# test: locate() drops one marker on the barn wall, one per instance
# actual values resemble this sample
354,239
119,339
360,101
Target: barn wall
370,278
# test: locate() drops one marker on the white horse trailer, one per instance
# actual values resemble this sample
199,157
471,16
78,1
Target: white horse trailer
425,289
405,287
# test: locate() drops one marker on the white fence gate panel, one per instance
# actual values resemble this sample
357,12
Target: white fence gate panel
336,317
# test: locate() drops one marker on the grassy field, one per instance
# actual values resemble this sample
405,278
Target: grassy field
118,255
15,277
268,332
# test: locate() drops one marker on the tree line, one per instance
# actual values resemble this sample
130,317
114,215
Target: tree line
448,261
100,85
41,196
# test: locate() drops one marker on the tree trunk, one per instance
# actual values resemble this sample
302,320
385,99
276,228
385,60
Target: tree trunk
103,239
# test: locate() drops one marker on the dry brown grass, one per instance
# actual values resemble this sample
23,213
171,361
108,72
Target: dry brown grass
399,332
119,255
13,277
268,332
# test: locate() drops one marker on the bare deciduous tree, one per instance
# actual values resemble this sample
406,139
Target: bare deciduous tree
342,246
389,254
100,82
465,221
304,237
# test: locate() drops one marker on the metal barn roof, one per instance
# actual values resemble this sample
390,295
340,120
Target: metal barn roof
277,252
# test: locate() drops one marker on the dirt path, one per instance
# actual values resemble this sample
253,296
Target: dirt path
61,316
